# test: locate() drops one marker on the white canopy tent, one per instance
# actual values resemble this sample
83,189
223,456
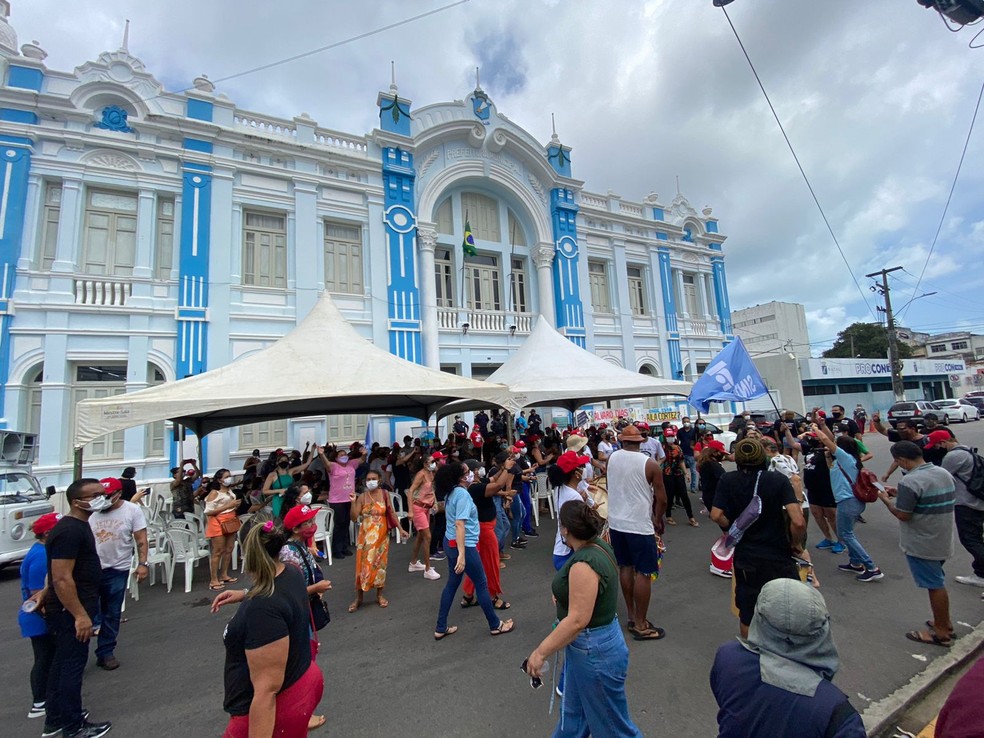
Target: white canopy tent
551,371
322,367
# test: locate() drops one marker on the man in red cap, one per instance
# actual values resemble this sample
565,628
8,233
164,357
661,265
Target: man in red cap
636,505
34,572
116,530
72,601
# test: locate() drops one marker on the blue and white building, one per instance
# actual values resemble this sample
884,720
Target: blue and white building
147,235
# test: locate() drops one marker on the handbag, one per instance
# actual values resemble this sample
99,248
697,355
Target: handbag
230,524
320,617
391,520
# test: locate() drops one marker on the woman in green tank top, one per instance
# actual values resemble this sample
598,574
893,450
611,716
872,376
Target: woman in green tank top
596,657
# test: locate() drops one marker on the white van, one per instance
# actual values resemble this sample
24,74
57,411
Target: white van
22,501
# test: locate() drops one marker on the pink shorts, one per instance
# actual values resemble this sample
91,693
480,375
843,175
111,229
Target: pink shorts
421,517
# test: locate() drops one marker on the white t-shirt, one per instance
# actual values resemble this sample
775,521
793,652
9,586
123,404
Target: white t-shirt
653,449
589,471
114,531
564,494
605,450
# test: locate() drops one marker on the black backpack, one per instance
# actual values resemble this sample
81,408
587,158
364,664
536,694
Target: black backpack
975,481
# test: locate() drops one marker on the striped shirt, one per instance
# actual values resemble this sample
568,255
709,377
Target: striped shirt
928,492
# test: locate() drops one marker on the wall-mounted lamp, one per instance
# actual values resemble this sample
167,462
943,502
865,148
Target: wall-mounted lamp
512,330
464,328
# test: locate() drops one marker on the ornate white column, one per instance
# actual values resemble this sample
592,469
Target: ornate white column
709,296
543,257
681,295
702,295
426,241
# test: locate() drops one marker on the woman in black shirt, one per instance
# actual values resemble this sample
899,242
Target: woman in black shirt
272,685
710,470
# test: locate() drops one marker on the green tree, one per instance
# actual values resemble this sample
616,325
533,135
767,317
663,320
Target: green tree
868,340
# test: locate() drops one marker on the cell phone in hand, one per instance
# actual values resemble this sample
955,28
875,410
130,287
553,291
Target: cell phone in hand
535,682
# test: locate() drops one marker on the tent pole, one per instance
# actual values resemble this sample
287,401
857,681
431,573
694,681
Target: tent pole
77,463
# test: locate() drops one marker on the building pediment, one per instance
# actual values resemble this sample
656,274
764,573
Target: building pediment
119,69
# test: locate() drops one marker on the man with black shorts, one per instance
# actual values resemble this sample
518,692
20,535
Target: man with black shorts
636,504
764,552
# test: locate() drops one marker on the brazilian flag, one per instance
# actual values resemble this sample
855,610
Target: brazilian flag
468,242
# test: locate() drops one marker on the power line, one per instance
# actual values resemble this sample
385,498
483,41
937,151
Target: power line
949,197
806,179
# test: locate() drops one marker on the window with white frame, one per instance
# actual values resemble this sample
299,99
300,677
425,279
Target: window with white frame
598,279
165,238
445,219
482,282
520,293
937,347
958,346
637,291
155,431
482,214
34,400
443,275
110,244
347,428
264,249
266,436
343,258
49,224
690,300
96,382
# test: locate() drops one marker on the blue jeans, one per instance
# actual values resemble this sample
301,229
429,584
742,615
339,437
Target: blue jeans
112,590
475,571
527,507
518,512
501,523
64,699
847,515
594,702
691,463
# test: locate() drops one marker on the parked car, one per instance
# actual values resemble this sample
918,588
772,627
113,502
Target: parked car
958,410
723,435
913,409
977,402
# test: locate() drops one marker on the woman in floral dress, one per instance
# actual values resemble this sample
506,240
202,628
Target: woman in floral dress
372,540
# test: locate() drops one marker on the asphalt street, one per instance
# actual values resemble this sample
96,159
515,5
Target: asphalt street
385,675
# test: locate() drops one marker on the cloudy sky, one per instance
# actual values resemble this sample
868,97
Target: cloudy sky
876,96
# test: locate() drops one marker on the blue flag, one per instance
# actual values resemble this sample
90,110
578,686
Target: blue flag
731,375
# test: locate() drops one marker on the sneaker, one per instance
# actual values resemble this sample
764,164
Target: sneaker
523,540
971,579
838,548
49,732
37,710
415,566
531,533
90,730
870,575
439,556
851,568
719,572
825,543
431,574
860,519
518,545
109,664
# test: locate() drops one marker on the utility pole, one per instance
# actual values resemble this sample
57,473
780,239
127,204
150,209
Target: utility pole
893,340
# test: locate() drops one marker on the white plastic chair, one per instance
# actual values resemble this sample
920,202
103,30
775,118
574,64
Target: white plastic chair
325,520
159,552
192,526
185,550
542,491
401,515
237,545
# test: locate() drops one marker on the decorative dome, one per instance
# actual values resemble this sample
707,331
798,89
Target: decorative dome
8,36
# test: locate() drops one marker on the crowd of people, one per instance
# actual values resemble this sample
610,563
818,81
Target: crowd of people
469,499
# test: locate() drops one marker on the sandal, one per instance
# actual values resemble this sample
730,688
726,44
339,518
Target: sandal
316,721
382,602
648,634
504,556
233,580
500,604
670,521
216,587
505,626
502,564
354,606
452,629
930,639
932,628
694,523
467,602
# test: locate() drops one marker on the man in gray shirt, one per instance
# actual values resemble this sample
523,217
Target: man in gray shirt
969,509
924,505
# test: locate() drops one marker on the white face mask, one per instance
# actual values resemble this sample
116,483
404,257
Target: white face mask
481,472
432,466
372,484
469,477
671,440
343,459
522,451
99,504
304,499
227,482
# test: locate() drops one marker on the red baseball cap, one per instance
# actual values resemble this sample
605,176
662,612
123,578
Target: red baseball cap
571,460
112,485
937,437
717,445
642,425
297,515
520,444
438,456
670,432
821,414
45,523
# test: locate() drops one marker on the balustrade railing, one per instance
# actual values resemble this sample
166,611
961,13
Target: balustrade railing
105,292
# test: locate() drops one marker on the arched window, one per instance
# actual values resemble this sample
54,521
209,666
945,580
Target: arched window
647,370
482,214
445,218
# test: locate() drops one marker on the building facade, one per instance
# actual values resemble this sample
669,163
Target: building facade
773,328
148,235
963,345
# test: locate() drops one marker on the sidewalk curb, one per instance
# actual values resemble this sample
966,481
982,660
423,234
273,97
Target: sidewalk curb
883,714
